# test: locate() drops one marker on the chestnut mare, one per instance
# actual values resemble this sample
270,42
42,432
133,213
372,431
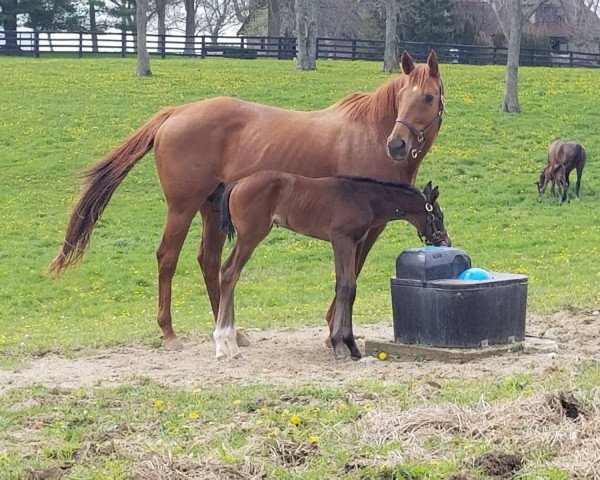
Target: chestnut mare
200,146
340,210
563,158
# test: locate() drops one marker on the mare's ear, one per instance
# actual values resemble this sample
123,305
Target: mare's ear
432,63
435,193
407,63
427,190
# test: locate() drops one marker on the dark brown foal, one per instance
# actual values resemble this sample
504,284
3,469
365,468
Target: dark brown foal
340,210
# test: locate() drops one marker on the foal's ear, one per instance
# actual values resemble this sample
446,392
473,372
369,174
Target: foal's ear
432,63
427,189
435,193
406,62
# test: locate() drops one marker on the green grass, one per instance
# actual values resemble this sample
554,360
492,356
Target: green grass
57,116
294,433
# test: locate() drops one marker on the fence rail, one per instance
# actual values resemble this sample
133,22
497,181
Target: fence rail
94,43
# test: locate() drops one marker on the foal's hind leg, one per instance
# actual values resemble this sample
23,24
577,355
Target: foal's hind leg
176,228
226,340
209,258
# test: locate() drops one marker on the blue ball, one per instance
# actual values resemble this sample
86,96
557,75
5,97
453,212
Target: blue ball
475,274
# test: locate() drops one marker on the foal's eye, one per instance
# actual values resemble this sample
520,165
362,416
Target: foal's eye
429,98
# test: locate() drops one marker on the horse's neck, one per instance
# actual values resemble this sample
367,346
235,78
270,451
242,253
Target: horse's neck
391,203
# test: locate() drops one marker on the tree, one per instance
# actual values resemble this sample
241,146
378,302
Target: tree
306,30
390,61
512,15
8,16
143,59
190,26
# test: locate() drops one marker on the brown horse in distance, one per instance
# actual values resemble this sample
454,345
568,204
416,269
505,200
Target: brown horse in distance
201,146
339,210
563,158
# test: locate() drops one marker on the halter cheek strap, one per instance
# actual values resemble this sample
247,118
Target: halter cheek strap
420,135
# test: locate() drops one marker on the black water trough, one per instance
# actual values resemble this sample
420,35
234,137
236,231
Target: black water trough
431,306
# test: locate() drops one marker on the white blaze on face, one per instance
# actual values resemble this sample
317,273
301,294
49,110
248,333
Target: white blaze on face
415,88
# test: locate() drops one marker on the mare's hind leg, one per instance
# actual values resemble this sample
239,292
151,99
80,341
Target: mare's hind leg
578,183
176,228
363,249
209,256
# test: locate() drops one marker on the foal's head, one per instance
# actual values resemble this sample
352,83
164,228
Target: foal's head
420,107
430,224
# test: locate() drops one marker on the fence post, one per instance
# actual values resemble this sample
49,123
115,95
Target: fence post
123,43
162,44
80,43
203,51
318,45
36,44
570,59
354,49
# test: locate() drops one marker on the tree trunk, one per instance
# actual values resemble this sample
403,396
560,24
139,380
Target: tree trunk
190,26
390,58
274,18
161,9
306,27
9,24
143,59
93,26
510,103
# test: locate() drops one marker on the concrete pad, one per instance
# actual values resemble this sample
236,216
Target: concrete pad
419,353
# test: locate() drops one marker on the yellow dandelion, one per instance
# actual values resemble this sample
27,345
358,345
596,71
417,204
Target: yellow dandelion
314,439
194,415
295,420
342,406
175,431
158,403
382,356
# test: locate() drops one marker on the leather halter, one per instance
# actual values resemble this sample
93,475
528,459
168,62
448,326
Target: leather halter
420,135
433,226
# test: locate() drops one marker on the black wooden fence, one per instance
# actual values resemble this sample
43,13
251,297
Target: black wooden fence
88,43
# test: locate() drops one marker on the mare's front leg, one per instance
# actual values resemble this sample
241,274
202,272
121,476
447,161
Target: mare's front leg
209,258
344,251
362,250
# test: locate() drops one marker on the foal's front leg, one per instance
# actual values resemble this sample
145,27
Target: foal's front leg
344,251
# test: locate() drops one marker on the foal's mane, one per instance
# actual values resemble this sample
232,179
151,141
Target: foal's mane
373,181
372,107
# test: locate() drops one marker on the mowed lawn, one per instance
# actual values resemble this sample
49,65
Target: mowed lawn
57,116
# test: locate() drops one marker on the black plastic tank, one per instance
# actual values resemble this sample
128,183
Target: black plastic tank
432,306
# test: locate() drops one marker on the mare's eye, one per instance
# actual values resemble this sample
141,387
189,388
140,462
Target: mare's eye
429,98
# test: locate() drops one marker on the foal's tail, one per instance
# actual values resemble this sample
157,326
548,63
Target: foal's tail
101,181
226,224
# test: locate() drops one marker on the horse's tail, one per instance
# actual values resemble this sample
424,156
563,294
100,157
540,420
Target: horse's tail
101,181
225,223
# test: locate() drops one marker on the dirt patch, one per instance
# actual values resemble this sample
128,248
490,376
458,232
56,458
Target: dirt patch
299,357
499,464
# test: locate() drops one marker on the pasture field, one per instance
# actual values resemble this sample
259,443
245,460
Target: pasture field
57,116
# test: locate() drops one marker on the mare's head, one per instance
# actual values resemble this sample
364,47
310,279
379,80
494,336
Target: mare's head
420,102
430,224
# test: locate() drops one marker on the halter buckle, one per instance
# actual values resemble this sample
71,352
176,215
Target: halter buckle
420,137
414,153
429,207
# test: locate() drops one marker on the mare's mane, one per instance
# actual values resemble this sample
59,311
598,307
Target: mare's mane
372,107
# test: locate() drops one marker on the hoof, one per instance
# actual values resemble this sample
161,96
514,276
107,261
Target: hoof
328,342
242,339
173,344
